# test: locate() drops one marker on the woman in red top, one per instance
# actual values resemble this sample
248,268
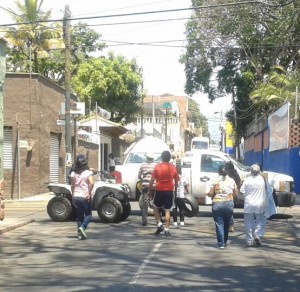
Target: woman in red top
166,177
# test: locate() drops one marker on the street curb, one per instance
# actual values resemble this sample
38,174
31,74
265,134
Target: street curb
15,226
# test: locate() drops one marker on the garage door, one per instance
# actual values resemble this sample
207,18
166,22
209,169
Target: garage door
7,148
54,158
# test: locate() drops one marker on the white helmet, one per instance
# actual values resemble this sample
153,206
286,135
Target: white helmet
150,156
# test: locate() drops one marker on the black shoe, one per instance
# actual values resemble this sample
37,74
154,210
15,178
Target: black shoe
257,241
144,223
159,230
167,233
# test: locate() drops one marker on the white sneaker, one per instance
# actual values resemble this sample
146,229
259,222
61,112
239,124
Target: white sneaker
181,223
175,223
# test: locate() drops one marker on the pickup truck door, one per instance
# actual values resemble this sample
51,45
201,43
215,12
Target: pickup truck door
204,171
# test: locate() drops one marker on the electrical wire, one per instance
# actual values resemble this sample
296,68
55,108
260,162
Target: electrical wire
154,12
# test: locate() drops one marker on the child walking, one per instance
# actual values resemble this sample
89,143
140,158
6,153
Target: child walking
182,189
82,184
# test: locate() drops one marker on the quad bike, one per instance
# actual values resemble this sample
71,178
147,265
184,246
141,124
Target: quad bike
109,199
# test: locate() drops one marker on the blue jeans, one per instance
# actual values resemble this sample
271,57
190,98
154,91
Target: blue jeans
83,211
222,213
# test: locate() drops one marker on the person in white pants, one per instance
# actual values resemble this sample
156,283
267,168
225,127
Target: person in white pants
254,189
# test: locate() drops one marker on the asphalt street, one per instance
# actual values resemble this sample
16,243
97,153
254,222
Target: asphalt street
42,255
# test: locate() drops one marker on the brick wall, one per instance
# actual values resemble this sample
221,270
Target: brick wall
32,105
294,133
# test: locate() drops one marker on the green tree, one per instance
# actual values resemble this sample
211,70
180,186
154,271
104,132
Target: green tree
37,40
278,88
33,37
113,82
196,117
233,47
84,43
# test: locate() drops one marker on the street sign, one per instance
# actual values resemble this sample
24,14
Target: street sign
63,122
23,144
167,105
76,108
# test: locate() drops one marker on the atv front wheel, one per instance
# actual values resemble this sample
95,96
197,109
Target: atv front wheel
60,209
126,209
110,210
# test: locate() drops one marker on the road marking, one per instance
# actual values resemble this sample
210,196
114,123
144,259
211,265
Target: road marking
145,263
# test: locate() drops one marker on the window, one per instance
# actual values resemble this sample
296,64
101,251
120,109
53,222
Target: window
211,163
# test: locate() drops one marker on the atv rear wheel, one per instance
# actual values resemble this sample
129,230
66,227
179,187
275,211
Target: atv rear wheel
110,210
60,209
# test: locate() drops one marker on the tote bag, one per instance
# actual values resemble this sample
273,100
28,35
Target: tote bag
270,204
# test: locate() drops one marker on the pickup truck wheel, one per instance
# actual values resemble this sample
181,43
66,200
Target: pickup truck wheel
110,210
60,209
191,206
126,209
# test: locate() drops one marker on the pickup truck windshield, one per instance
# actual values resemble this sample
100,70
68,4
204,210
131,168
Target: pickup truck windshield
140,157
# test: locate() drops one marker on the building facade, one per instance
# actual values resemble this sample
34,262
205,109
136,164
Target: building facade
165,117
34,136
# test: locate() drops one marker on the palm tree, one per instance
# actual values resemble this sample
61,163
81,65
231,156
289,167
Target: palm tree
279,88
33,34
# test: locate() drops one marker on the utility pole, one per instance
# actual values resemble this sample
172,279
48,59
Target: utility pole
2,77
67,41
236,140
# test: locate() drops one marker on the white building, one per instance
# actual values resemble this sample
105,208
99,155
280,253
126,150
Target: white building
165,117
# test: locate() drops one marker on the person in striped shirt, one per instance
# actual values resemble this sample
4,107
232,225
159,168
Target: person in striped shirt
144,175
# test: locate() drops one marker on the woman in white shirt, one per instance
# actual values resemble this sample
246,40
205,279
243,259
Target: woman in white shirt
254,189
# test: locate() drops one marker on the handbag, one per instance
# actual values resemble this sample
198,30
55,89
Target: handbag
270,204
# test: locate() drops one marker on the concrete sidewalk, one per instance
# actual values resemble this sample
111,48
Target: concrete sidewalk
13,221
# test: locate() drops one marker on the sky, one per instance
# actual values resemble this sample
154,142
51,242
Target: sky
157,46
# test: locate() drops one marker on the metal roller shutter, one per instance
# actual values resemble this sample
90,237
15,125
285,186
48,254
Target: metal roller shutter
7,148
54,159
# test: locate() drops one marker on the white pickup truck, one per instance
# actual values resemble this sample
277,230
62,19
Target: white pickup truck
204,168
135,156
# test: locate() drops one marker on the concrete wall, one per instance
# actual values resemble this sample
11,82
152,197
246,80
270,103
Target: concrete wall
285,161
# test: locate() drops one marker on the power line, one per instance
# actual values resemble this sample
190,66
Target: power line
152,12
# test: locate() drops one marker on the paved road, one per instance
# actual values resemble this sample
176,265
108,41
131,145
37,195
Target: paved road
46,256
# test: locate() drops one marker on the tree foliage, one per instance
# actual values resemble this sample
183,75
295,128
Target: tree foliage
196,117
113,83
33,37
37,41
233,48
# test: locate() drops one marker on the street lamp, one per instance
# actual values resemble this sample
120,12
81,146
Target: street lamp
223,131
166,106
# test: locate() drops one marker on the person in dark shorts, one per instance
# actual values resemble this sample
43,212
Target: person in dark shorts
166,178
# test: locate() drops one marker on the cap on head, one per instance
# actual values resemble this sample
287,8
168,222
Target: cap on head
255,169
81,160
149,156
